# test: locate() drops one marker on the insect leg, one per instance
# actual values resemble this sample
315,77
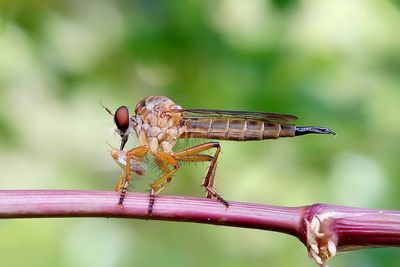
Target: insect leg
163,167
137,152
119,184
162,160
192,154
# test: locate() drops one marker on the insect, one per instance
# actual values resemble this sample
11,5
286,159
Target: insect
158,123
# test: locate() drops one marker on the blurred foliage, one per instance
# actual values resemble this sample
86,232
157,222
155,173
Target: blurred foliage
332,63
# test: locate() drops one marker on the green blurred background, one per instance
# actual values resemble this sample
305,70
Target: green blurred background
332,63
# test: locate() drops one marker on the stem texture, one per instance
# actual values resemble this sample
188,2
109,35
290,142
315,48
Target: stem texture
324,229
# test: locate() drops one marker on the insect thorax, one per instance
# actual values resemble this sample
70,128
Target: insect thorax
158,126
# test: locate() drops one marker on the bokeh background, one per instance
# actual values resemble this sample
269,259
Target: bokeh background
331,63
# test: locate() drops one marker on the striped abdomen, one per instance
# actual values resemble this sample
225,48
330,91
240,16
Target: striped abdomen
235,129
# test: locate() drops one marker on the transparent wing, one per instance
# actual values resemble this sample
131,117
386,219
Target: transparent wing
233,114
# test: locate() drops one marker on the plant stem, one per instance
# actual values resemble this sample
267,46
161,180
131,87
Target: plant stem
63,203
324,229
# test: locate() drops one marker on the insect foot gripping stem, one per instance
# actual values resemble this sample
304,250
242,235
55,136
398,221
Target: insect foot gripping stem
321,239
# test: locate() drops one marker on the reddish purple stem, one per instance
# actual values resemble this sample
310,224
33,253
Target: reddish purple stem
357,227
324,229
64,203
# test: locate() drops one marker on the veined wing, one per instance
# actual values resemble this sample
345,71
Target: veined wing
233,114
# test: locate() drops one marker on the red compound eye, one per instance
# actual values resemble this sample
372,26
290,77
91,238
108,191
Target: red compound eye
121,118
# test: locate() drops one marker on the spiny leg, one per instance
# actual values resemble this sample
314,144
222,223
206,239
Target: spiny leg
192,154
162,159
163,167
189,158
137,152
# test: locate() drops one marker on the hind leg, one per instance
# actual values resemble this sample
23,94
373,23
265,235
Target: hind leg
193,155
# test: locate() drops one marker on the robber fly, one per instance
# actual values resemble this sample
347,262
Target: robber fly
158,123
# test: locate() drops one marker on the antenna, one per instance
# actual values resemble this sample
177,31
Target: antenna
109,111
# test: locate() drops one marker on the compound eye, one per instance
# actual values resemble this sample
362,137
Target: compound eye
121,118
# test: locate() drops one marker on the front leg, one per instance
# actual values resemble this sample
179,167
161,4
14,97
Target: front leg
137,152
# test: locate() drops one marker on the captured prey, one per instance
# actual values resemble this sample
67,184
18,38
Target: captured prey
159,123
136,166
